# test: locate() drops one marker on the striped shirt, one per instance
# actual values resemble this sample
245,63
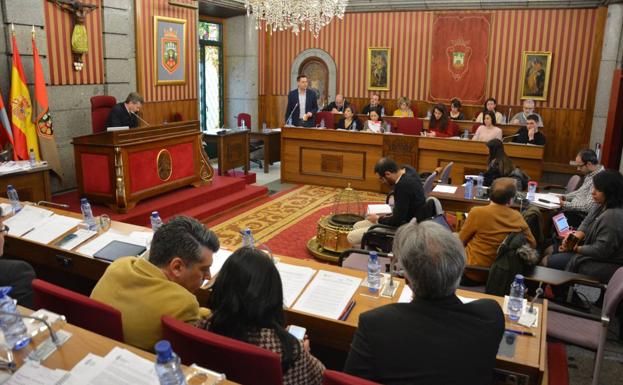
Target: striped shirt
582,198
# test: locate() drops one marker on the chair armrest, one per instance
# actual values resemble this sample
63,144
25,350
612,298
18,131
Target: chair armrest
551,306
379,226
477,268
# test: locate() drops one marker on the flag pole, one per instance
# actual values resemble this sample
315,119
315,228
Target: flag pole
13,29
33,32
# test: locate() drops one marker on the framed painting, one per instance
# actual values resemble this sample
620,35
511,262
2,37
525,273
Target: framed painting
169,50
378,68
535,71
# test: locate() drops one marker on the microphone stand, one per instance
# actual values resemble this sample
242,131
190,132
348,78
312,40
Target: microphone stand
141,119
53,335
539,291
291,112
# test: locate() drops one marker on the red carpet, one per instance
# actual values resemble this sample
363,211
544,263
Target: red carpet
557,364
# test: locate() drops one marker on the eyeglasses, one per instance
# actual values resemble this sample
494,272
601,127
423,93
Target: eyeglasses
580,165
4,229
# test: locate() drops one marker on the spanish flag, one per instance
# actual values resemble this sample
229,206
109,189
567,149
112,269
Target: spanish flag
24,134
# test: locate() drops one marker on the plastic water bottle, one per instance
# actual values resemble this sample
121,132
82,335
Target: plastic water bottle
382,111
264,126
289,122
469,187
466,134
87,213
13,328
479,186
516,296
31,157
389,127
374,272
247,238
322,123
168,366
531,196
14,198
243,125
156,221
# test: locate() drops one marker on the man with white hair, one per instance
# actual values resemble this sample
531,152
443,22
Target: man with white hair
436,338
521,118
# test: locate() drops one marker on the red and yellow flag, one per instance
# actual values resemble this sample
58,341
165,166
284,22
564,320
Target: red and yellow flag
25,136
43,119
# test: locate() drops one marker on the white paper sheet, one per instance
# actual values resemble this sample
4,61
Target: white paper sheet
51,228
81,236
406,296
33,373
293,279
104,239
551,201
121,367
446,189
466,299
27,219
145,236
328,294
6,209
218,259
379,209
83,369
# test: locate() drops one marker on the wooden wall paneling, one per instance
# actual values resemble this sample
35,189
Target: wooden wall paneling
165,111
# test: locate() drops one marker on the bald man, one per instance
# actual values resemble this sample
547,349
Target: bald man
338,105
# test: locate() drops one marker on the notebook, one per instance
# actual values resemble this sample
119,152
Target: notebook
117,249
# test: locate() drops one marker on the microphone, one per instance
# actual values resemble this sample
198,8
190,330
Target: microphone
291,112
539,291
141,119
509,137
53,335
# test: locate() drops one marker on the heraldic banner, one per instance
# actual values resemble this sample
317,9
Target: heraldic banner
459,57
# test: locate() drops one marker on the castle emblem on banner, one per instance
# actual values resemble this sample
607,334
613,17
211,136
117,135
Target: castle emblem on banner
170,44
458,54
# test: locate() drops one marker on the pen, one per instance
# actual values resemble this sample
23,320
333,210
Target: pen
347,311
520,332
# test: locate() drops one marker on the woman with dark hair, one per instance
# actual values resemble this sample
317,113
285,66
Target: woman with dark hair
247,305
488,129
490,105
500,164
439,125
375,123
349,121
455,110
600,253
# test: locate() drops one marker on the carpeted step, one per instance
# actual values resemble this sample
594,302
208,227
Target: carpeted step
207,211
249,178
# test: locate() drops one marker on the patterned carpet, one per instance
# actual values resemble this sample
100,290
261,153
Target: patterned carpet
286,223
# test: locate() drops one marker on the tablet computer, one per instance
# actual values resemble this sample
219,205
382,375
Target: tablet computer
561,225
118,249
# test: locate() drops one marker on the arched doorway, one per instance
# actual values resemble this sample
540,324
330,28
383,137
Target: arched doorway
318,78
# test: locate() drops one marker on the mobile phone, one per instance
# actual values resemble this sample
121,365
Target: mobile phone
66,239
297,331
572,241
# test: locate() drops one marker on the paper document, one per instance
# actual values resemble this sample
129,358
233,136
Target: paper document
81,235
83,369
218,259
444,188
119,367
27,219
51,228
406,296
145,236
104,239
548,201
328,294
466,299
293,279
379,209
33,373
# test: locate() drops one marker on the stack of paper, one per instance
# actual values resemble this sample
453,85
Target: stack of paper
293,279
218,259
51,228
446,189
548,201
27,219
33,373
328,294
379,209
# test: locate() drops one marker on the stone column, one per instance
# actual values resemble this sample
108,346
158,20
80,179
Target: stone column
241,68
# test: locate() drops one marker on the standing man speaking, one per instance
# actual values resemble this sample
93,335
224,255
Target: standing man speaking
302,105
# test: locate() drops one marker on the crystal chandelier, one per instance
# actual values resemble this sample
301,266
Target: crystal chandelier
298,15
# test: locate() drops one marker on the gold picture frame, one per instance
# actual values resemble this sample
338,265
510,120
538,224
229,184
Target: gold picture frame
379,65
170,50
535,70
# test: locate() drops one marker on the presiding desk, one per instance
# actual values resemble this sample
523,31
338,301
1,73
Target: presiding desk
338,158
120,168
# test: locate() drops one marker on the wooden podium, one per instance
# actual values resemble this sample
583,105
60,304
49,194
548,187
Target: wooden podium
120,168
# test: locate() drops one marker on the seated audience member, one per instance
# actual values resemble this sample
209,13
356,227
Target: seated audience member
439,124
530,132
144,290
375,123
247,305
409,199
404,108
578,203
488,130
528,109
487,226
124,114
17,274
455,110
374,104
490,105
500,164
338,105
436,338
600,253
349,121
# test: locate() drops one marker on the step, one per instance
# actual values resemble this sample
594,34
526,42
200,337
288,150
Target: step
231,202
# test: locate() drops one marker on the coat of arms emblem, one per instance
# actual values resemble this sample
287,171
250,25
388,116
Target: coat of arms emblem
170,44
458,54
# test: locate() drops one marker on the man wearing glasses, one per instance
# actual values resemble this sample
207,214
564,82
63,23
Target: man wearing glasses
17,274
521,118
578,203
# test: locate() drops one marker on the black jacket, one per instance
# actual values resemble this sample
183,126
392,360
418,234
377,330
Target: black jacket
293,110
120,117
426,342
355,125
329,107
409,200
522,137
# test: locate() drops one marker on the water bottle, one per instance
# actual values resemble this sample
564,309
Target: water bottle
156,222
389,127
264,126
480,190
469,186
31,157
382,111
13,328
168,366
14,198
531,196
247,238
87,213
374,272
516,296
466,134
321,123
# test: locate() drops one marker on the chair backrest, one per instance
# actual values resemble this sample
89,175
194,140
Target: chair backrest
100,109
79,309
475,127
409,126
614,293
445,173
329,121
573,183
453,127
241,362
331,377
247,120
357,259
428,183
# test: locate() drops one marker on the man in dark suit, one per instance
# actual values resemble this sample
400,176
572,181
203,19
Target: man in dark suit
338,105
435,338
124,114
302,104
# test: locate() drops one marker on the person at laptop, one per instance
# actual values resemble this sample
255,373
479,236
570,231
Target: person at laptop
144,290
124,114
487,226
578,203
434,339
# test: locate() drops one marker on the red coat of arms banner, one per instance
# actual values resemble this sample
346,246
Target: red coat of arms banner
460,48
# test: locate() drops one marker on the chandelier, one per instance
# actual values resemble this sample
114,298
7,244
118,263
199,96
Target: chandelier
298,15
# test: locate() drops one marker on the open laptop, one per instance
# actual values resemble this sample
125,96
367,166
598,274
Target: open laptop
561,225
